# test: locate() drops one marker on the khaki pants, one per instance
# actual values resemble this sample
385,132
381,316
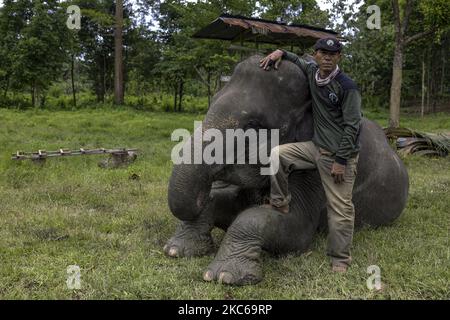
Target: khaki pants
340,209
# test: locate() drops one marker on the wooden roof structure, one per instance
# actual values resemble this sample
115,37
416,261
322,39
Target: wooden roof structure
243,29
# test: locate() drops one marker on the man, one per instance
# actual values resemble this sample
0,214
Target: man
334,149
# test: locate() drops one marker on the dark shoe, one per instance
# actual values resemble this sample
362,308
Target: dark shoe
283,209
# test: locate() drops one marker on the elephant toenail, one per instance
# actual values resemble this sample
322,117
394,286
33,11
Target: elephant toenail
173,252
208,276
225,278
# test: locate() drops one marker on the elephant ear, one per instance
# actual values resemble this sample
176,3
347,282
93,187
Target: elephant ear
304,129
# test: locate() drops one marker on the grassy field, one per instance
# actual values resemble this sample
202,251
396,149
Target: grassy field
70,212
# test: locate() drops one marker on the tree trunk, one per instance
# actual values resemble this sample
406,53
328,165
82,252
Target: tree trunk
5,94
118,57
101,79
73,81
176,96
209,88
422,106
433,95
217,85
429,79
37,94
396,87
99,92
401,41
42,100
434,76
101,83
105,79
443,70
33,96
180,102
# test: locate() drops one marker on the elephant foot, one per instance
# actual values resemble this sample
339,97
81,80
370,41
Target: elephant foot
237,272
243,268
189,241
192,246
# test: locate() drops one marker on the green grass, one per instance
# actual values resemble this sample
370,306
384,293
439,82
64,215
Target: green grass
70,212
434,123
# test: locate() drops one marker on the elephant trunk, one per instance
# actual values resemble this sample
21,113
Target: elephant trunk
189,189
190,183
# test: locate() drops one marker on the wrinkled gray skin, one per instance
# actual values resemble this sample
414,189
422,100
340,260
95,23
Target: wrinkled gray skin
228,196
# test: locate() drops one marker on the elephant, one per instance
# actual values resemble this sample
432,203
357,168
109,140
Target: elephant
231,196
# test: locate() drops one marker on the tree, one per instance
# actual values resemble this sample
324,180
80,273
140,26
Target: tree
118,56
97,42
143,56
294,11
36,40
183,58
12,17
73,53
435,14
367,53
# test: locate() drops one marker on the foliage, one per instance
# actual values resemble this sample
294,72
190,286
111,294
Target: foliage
161,57
294,12
35,43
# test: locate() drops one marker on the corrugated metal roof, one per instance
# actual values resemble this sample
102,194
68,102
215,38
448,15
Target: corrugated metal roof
234,28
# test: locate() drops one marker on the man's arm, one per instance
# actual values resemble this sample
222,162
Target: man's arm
292,57
275,58
351,114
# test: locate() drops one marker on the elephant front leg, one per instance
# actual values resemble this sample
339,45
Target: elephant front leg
238,260
191,239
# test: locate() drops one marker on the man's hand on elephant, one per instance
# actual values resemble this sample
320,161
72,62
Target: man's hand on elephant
337,172
273,59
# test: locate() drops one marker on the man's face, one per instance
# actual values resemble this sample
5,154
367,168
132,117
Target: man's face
327,60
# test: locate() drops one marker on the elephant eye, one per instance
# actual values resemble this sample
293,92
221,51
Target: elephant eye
254,124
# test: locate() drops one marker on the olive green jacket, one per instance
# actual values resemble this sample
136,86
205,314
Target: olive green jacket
336,111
